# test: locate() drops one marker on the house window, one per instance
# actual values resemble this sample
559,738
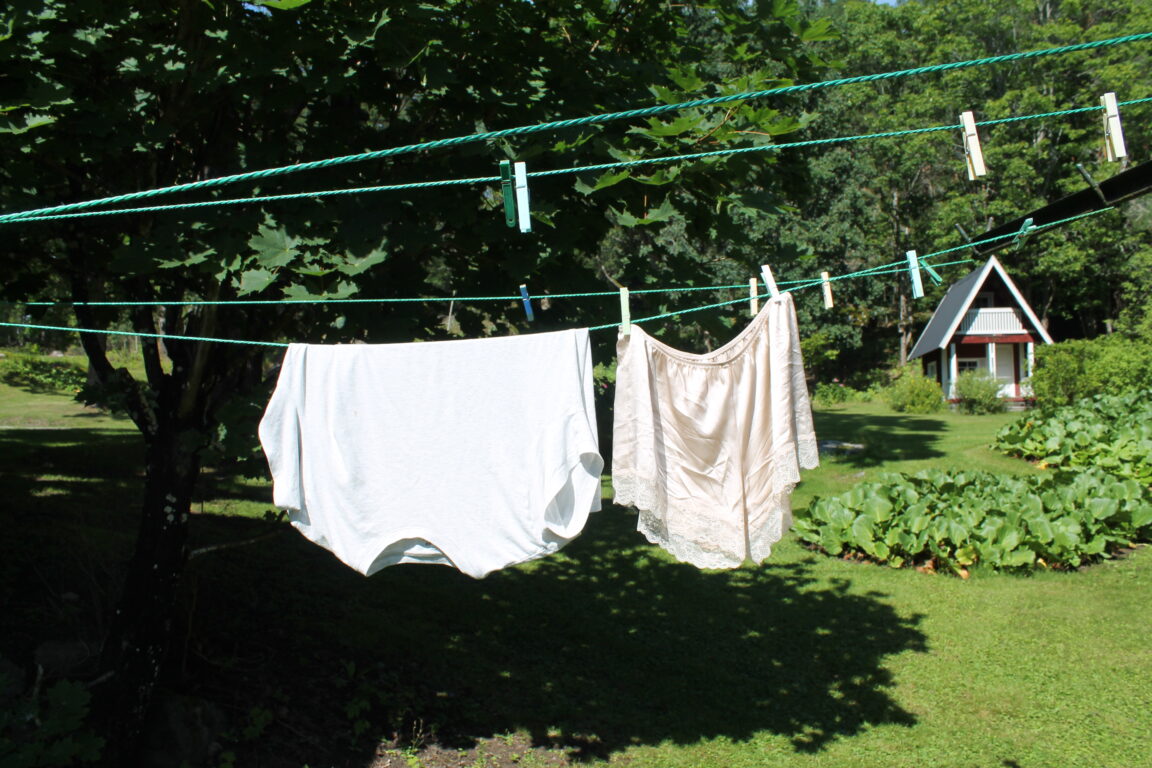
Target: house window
930,370
985,299
969,364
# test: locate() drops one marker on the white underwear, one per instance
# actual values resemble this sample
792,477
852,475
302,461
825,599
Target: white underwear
476,453
709,447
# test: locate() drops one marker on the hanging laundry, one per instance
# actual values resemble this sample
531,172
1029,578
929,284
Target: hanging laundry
477,453
709,447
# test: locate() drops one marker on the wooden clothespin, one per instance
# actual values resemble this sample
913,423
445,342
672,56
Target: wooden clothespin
826,284
972,152
522,209
524,297
914,275
1114,148
625,313
753,297
769,281
507,193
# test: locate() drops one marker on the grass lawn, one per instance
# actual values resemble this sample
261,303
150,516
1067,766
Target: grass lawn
607,653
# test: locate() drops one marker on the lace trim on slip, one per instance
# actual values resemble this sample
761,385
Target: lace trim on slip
703,553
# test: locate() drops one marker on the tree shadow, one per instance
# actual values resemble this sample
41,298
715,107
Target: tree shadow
602,647
72,466
884,437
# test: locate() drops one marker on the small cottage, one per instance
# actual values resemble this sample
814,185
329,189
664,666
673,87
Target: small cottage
983,323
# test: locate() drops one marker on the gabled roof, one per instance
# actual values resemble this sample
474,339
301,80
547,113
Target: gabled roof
946,319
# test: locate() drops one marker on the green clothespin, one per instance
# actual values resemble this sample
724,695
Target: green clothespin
1025,230
506,191
931,272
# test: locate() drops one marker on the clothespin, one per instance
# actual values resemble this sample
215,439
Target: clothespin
1025,229
625,313
932,273
1114,147
826,284
527,302
521,173
753,297
972,151
506,192
769,281
914,274
1092,183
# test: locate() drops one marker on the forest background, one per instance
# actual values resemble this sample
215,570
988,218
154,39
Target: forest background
100,98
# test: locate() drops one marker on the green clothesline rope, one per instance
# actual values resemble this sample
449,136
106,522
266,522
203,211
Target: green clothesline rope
141,333
425,299
560,171
882,269
560,124
886,268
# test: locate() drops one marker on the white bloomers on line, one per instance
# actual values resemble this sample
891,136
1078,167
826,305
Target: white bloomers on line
476,453
709,447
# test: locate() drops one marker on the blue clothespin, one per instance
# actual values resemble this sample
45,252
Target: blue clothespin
506,191
932,273
527,302
914,275
1025,230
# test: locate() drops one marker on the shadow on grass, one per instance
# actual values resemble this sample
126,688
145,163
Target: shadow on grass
607,645
884,437
53,461
602,647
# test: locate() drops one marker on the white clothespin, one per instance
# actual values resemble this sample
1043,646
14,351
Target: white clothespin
769,281
914,274
753,297
827,286
625,313
972,151
521,173
1114,147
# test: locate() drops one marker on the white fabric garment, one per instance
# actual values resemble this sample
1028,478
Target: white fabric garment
475,453
709,447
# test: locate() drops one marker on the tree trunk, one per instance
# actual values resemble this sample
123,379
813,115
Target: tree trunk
905,328
142,625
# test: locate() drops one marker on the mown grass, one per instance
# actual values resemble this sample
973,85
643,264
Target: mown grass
896,442
609,652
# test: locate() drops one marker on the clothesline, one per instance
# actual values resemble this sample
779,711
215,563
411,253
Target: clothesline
884,268
561,124
892,268
694,156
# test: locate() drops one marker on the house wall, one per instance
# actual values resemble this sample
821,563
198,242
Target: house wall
1011,366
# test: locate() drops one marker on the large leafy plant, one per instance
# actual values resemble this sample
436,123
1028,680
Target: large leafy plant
1108,432
953,521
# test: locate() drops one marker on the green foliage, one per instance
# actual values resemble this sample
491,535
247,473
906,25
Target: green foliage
1072,370
913,392
831,393
979,392
957,520
1109,432
49,731
41,374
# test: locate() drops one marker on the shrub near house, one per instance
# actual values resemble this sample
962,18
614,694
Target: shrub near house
1072,370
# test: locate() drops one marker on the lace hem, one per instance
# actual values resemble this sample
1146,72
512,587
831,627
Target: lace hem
652,522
